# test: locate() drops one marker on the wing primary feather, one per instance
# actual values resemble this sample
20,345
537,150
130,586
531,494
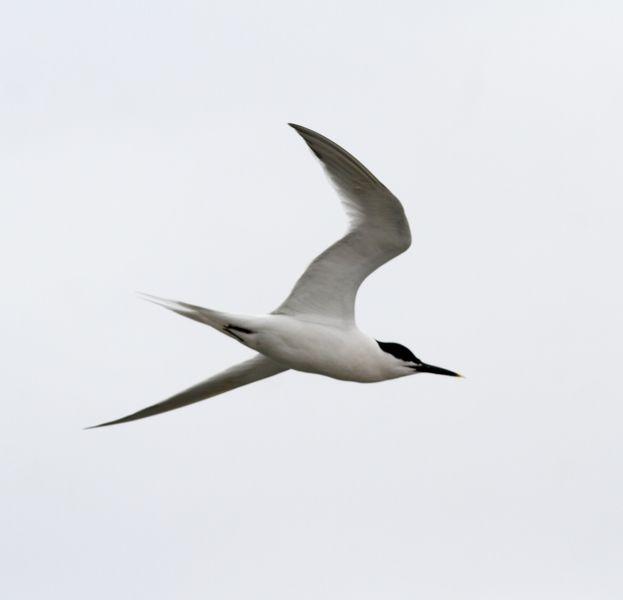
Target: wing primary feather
259,367
378,232
318,142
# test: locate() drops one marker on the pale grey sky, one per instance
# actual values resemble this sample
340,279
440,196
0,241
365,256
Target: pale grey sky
144,147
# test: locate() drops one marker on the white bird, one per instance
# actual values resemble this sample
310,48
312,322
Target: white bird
314,330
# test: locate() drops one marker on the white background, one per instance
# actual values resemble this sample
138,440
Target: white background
144,147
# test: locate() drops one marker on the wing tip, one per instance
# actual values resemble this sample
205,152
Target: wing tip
127,419
94,426
106,424
302,131
305,131
311,138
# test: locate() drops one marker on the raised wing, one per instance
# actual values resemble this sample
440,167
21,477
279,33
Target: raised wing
378,232
241,374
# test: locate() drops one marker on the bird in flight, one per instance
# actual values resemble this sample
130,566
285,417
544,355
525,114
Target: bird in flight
314,330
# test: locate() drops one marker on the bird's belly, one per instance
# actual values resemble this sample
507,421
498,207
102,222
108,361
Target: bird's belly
323,350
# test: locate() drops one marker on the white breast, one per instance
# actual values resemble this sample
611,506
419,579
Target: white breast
341,353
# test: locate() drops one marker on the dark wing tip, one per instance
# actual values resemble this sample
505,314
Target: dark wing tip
335,158
312,138
305,132
141,414
107,424
308,133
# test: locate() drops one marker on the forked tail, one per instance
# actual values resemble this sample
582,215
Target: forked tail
235,326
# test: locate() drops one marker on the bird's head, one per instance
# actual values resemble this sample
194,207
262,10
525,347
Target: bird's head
406,363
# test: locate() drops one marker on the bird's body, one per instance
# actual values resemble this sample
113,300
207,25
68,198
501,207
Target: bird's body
340,352
314,329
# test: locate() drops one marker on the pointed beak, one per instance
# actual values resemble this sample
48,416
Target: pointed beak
436,370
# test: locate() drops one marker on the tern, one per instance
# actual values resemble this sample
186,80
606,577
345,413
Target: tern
314,329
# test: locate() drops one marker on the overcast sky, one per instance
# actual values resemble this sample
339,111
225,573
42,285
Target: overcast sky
144,147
